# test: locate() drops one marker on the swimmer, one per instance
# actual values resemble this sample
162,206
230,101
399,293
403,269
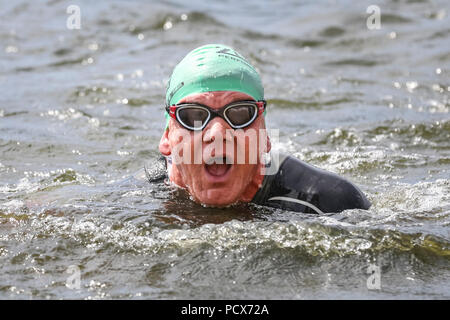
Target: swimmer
213,97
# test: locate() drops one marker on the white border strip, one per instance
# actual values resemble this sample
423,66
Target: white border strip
297,201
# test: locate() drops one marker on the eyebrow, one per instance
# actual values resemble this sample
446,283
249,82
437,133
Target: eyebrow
234,100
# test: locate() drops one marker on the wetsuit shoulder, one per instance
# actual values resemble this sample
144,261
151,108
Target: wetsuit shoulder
301,187
344,195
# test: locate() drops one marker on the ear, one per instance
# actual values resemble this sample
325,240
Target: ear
268,145
164,145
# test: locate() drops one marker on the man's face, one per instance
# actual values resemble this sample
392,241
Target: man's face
239,176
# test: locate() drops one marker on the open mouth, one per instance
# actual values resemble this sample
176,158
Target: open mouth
218,166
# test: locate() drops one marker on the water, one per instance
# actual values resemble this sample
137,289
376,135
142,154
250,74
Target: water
81,110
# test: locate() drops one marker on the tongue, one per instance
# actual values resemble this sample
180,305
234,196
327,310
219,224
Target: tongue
217,169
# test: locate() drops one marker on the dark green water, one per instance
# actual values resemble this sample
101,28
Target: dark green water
82,109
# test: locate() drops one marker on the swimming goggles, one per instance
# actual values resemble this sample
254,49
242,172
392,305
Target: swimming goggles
195,116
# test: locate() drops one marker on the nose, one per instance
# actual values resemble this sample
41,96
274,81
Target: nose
216,129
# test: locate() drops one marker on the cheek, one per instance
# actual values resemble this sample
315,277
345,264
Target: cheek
182,150
242,175
247,150
181,144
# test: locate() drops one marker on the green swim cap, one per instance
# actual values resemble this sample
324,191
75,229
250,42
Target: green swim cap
213,67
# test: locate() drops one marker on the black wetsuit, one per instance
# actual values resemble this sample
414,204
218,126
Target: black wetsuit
295,185
300,187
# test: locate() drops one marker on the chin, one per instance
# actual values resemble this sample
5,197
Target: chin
215,198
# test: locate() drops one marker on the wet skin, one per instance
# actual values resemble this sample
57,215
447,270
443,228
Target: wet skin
216,184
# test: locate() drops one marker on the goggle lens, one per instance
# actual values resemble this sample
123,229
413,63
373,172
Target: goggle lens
192,116
240,115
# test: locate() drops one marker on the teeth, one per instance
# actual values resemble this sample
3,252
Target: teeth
218,160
